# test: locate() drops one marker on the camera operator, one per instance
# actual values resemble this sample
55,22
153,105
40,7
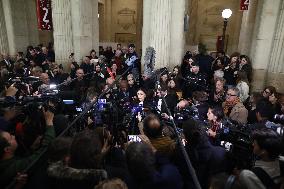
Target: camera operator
200,99
56,74
90,97
8,113
183,111
264,113
42,85
206,159
10,165
266,172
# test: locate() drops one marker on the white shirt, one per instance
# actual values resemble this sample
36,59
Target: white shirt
244,90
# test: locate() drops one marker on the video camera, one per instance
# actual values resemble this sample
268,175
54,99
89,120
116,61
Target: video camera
181,115
236,139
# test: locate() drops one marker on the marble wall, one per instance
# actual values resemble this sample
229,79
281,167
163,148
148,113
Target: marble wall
118,21
206,23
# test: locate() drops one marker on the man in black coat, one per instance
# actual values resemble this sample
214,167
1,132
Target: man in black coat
195,81
79,86
206,159
87,66
171,100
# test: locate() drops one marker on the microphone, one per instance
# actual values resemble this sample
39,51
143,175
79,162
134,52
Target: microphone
158,86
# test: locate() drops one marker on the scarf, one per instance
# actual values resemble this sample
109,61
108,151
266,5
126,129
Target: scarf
214,125
229,105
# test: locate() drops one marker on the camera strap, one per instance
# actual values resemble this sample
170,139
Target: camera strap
230,181
266,180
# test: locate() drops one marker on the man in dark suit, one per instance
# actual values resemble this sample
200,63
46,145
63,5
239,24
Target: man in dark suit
171,100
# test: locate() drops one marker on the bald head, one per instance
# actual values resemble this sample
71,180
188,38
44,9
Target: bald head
80,74
44,78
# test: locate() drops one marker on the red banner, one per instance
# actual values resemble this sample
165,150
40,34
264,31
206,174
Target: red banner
219,43
244,4
44,15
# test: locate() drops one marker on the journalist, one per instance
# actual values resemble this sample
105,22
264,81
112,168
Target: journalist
11,165
266,171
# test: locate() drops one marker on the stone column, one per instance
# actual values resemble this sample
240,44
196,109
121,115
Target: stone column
108,21
275,74
177,32
139,26
62,31
32,22
4,48
157,31
163,23
85,27
248,21
160,37
16,25
146,27
264,29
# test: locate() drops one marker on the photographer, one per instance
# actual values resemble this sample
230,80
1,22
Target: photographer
264,113
8,113
43,84
206,159
148,170
84,168
266,172
10,165
183,111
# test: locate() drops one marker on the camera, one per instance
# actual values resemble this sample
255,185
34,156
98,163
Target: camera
186,113
278,118
136,109
102,104
236,139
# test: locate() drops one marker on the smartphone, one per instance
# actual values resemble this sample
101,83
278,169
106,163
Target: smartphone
68,102
79,109
102,101
133,138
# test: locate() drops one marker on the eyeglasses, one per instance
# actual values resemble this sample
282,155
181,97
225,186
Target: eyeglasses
130,80
228,94
267,92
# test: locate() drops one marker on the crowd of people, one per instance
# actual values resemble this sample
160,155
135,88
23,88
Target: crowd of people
126,138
